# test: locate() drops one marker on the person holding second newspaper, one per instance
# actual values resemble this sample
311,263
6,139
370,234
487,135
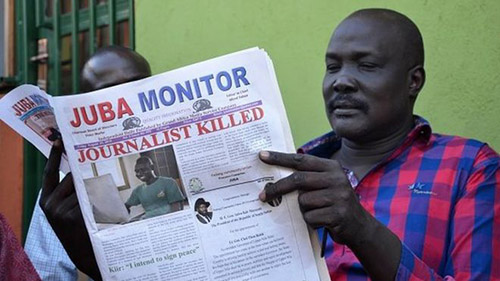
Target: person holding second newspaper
109,66
398,201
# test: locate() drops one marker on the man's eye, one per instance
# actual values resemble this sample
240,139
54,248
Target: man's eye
333,68
367,66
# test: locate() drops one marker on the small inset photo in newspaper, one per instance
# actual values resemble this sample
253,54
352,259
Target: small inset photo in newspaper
203,210
134,187
37,115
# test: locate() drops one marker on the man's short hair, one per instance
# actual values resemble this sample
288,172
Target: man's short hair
101,63
413,49
144,160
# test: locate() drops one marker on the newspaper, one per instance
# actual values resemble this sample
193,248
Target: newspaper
167,173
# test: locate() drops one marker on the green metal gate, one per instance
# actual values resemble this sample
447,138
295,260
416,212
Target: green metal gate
53,40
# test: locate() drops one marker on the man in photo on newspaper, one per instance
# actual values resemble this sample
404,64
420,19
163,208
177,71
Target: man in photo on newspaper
107,67
157,195
399,201
202,213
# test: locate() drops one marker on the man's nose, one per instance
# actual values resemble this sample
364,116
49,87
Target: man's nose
344,85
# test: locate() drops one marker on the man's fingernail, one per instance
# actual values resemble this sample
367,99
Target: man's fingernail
264,154
262,196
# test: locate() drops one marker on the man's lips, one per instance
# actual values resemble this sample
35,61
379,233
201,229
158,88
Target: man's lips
343,105
345,111
339,107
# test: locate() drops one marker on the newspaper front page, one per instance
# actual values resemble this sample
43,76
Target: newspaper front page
27,110
167,174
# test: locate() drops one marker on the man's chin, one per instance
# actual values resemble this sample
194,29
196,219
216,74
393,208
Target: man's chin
347,126
344,120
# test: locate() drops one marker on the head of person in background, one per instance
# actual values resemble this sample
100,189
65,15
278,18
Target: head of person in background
202,213
113,65
108,66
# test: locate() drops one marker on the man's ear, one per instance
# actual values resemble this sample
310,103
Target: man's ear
416,80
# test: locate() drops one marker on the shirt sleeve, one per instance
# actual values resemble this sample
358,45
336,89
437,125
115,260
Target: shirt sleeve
133,200
14,264
174,193
473,252
45,251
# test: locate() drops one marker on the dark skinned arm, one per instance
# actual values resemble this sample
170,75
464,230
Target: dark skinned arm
128,207
327,199
60,205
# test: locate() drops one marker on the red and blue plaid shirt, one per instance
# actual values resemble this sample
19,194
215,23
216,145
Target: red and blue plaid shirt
440,195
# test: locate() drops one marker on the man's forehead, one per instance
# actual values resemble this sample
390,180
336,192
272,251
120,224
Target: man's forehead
363,35
361,24
142,165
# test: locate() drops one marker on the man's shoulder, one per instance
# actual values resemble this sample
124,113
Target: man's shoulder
166,179
456,144
453,143
463,149
456,140
138,188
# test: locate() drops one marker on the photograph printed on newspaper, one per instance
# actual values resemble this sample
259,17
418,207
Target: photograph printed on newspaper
167,175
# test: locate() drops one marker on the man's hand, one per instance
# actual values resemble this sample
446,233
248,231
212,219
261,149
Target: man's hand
60,205
176,206
327,199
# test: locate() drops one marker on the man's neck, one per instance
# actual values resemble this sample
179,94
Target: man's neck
362,157
151,181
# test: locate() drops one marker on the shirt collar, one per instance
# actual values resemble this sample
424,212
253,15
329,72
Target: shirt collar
327,144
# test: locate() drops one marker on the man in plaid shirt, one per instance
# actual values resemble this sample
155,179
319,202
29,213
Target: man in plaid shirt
398,201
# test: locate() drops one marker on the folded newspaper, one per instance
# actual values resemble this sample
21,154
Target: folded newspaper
167,173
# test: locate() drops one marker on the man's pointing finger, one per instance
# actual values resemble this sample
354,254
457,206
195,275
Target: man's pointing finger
301,162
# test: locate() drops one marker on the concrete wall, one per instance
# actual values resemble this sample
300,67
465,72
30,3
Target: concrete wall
461,38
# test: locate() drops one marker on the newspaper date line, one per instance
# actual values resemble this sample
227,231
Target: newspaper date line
169,136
